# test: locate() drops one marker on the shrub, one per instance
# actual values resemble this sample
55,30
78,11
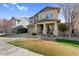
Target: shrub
22,30
62,27
34,34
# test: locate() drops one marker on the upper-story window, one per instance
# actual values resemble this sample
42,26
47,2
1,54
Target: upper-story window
49,16
18,21
46,16
32,21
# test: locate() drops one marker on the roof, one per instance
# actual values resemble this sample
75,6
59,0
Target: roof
45,20
13,18
17,27
47,8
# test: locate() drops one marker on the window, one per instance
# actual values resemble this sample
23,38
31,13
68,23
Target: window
31,20
49,16
18,21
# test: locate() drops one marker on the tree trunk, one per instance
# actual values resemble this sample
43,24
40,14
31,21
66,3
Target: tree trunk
4,29
70,31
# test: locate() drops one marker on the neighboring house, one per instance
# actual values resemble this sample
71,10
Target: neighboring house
76,27
45,21
9,26
17,23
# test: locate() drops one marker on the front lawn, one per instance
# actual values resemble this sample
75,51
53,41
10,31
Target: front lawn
48,48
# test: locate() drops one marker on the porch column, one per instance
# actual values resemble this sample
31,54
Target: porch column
44,29
35,28
55,31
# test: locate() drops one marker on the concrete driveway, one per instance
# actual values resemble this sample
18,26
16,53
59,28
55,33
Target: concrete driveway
10,50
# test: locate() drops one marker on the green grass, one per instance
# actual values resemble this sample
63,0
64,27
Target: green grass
73,43
47,48
3,35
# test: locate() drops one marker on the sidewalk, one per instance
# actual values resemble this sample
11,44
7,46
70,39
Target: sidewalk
10,50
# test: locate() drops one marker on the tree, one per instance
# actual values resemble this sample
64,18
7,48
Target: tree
71,14
62,27
6,25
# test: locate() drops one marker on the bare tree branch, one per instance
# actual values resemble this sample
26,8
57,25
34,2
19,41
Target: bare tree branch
70,12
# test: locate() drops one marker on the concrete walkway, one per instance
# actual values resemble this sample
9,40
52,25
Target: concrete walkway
10,50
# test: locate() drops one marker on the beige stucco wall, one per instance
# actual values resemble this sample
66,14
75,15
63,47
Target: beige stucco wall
31,29
53,11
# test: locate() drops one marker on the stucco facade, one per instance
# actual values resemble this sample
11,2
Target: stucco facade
45,21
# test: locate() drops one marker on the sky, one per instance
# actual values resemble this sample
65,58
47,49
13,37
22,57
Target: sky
7,10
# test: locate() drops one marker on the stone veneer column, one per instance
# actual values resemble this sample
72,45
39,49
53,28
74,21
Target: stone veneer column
44,29
35,30
55,31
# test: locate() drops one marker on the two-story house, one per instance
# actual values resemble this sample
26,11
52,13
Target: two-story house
45,21
17,23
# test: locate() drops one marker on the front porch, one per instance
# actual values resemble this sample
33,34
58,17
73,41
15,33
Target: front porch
46,28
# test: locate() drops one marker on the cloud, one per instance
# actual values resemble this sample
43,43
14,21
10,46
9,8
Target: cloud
14,3
22,8
5,5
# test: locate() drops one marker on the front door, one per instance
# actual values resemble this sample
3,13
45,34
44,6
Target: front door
50,29
41,29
